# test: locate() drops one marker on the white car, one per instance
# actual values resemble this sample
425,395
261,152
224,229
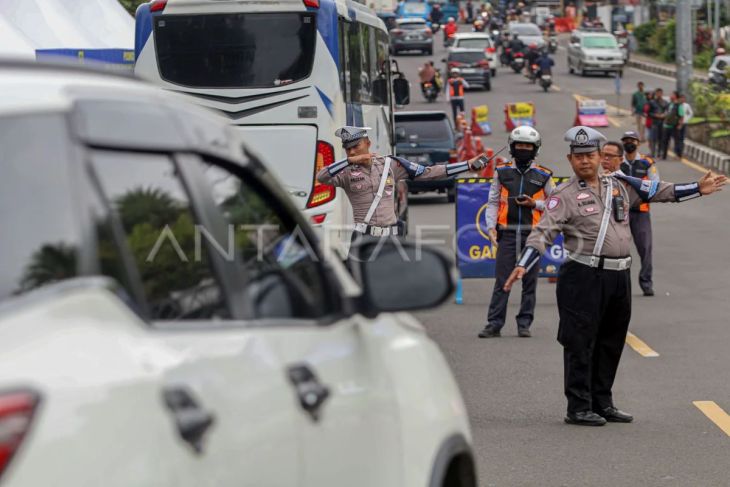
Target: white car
168,317
478,40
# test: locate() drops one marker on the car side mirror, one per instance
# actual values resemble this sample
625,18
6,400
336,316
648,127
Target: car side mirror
443,60
401,91
400,134
397,275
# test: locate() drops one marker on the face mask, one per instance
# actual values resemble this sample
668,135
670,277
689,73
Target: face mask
522,156
629,147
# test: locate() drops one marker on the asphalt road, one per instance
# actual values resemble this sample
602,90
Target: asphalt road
513,386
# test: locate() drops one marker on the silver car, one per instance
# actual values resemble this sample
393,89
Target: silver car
527,33
594,51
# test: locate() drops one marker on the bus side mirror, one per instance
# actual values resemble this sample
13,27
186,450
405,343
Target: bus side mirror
401,91
380,89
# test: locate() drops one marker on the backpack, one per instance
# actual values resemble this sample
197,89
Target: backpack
672,118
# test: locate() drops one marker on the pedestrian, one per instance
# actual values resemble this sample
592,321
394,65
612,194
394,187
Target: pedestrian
594,284
644,168
673,121
455,93
638,100
688,115
647,118
612,154
657,111
516,202
369,180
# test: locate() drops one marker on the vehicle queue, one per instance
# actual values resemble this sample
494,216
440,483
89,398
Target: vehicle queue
300,327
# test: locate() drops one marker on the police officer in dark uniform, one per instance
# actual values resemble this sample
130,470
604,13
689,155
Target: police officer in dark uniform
594,283
642,167
516,202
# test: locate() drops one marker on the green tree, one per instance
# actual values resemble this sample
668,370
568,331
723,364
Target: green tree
131,5
146,205
50,263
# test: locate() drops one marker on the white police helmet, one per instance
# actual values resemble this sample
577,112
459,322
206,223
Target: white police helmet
526,135
455,71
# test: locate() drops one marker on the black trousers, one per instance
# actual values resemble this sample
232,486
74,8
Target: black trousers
511,244
640,223
456,106
595,310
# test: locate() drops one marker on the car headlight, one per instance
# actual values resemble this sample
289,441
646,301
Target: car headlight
590,58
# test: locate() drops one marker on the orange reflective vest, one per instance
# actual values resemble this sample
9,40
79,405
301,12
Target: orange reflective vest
456,88
641,168
514,183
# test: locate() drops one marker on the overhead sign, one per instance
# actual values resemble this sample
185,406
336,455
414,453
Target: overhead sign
475,252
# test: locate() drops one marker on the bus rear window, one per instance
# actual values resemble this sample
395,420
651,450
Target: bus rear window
235,50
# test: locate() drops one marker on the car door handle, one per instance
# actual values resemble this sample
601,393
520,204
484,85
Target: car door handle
191,420
311,393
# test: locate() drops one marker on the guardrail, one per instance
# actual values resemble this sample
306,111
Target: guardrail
662,69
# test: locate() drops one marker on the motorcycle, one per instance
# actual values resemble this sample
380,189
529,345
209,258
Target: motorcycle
429,90
518,62
546,80
532,70
552,44
506,57
435,27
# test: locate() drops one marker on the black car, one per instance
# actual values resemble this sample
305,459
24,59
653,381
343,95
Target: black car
411,35
426,138
473,65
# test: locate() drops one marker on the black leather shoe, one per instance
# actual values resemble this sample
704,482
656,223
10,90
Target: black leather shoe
489,332
585,418
524,333
648,292
614,415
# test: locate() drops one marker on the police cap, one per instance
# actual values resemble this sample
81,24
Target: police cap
584,139
351,136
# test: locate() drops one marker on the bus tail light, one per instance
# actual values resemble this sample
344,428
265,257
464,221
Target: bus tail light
158,5
322,193
491,50
311,3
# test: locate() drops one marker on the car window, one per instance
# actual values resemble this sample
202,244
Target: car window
426,130
150,202
467,57
414,8
412,25
283,270
599,42
525,30
474,43
41,240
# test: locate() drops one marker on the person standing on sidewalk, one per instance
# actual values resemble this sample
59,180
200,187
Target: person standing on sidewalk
516,203
641,167
657,112
673,121
688,115
638,100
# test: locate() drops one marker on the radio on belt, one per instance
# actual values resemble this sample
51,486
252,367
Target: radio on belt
619,212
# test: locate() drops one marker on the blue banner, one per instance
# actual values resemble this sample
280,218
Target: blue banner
475,252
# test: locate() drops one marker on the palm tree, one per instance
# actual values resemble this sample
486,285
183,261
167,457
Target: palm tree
152,206
50,263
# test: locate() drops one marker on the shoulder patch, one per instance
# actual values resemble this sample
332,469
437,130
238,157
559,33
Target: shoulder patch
552,203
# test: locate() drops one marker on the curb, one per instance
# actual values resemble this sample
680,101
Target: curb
710,158
660,69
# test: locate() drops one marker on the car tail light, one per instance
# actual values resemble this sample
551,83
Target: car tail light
491,50
428,32
319,219
16,415
483,63
396,32
454,64
322,193
519,54
311,3
158,5
453,155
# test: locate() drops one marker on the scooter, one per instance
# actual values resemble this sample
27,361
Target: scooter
532,70
546,80
435,27
518,62
430,92
552,44
506,57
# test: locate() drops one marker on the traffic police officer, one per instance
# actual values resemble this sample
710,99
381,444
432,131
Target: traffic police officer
369,180
594,285
516,202
642,167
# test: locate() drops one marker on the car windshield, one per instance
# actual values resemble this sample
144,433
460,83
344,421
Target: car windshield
235,50
600,42
412,25
425,130
467,57
414,8
482,43
525,30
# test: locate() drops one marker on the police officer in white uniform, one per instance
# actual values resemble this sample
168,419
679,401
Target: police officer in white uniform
594,285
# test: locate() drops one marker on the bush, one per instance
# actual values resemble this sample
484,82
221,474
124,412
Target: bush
643,33
663,42
703,60
708,103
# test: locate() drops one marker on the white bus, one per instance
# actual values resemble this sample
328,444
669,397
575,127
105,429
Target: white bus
288,73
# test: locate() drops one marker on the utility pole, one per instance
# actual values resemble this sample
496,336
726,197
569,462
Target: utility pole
684,45
716,34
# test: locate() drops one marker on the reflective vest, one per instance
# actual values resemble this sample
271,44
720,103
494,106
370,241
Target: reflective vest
514,183
456,88
639,169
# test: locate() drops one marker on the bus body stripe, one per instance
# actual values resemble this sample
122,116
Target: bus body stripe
327,102
327,28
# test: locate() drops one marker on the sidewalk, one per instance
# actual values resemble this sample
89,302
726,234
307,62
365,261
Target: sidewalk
647,63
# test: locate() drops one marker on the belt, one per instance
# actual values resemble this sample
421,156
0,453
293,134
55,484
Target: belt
601,262
376,231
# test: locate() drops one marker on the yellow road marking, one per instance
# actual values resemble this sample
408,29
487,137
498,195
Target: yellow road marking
556,88
691,164
715,413
639,346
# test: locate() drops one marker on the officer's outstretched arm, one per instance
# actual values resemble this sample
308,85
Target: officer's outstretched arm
642,190
333,174
407,169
